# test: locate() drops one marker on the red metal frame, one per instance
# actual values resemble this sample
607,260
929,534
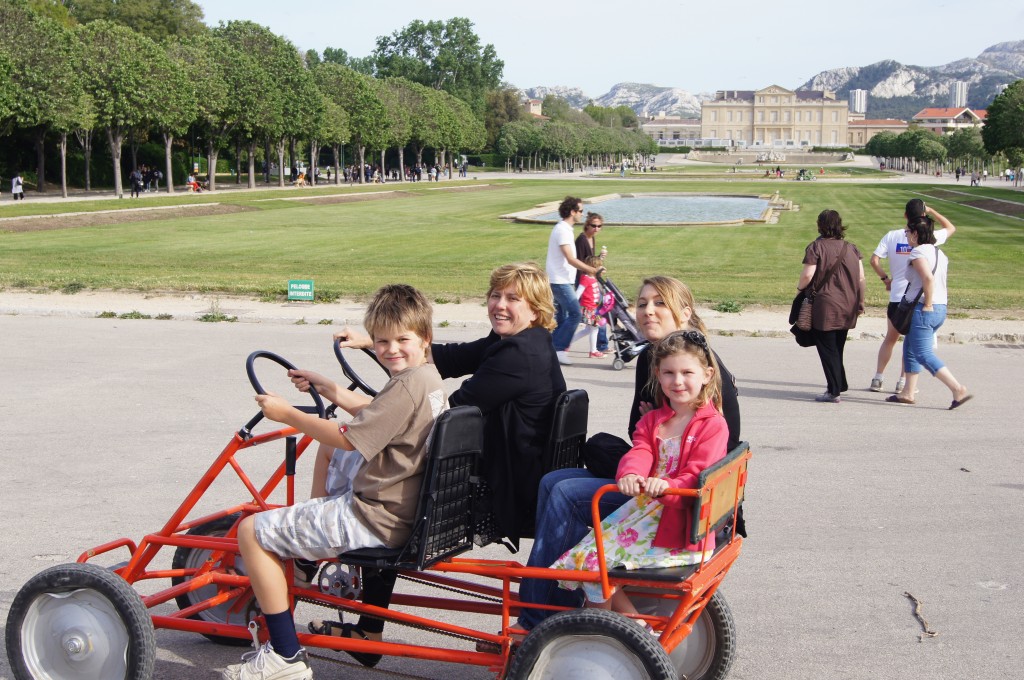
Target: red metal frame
693,593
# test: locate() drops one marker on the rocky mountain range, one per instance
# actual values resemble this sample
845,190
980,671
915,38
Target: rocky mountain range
895,90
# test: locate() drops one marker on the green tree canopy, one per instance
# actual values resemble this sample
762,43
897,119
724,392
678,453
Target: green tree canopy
503,106
155,19
1004,122
443,55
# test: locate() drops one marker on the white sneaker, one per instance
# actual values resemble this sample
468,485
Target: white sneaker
899,386
266,664
876,385
563,358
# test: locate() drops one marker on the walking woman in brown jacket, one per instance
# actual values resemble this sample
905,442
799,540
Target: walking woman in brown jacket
834,269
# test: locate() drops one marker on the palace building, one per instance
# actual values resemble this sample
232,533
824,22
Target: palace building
775,117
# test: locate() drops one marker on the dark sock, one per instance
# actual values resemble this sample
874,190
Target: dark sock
281,627
378,584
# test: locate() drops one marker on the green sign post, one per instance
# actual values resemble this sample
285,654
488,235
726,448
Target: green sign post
300,289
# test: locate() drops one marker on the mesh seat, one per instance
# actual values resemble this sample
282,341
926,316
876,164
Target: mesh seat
444,516
568,431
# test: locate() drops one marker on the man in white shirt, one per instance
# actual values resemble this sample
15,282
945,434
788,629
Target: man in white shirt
561,268
895,248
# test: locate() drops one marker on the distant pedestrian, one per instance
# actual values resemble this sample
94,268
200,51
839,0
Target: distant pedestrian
135,179
17,187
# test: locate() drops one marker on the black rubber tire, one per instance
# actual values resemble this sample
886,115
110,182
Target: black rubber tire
190,558
709,651
83,606
591,643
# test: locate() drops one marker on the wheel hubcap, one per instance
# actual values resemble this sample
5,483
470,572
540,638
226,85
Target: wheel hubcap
74,636
589,657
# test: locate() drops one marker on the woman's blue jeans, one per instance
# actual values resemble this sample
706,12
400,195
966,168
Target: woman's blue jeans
563,519
567,315
918,346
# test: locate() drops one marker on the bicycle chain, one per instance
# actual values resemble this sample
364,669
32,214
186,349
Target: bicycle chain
419,626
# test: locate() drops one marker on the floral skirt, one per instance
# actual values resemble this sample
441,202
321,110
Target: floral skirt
628,534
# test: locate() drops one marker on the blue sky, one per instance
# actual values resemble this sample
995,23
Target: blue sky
594,44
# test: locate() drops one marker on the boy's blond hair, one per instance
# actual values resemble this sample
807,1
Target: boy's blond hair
398,307
533,286
594,261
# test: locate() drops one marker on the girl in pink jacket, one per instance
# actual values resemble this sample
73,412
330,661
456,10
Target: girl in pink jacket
673,443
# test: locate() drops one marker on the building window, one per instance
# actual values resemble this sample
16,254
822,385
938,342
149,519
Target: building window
775,116
786,115
730,116
661,135
714,116
675,135
835,116
760,116
760,100
819,119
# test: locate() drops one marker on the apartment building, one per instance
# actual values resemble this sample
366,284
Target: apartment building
949,120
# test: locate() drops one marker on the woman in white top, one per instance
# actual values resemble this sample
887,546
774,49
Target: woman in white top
927,276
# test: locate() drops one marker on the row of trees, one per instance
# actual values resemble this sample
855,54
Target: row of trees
572,144
235,85
970,148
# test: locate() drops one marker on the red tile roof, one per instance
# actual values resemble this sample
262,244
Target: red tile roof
949,113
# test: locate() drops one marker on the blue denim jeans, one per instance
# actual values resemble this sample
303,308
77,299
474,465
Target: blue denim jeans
567,315
602,338
563,520
918,346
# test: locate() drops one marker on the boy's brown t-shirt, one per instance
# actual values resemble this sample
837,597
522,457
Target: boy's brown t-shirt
391,434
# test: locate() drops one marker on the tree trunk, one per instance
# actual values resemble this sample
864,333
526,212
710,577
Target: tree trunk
40,142
291,154
116,140
336,149
280,162
238,161
314,154
85,140
252,164
168,165
211,165
63,164
133,147
383,177
266,160
401,164
362,164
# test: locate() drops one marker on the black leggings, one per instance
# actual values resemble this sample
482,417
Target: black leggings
378,584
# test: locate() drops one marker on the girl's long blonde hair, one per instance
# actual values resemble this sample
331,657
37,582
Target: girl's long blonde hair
695,344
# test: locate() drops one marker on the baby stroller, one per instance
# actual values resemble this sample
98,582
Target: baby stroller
622,328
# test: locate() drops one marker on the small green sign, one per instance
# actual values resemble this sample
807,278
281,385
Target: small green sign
300,290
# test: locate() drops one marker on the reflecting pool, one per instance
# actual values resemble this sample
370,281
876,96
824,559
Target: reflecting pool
675,209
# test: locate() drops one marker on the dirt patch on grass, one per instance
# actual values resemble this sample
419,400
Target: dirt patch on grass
105,217
954,196
353,198
386,194
1001,207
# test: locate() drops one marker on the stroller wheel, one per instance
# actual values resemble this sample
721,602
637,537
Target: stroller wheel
618,364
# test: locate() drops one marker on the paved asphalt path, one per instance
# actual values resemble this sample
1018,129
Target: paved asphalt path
106,423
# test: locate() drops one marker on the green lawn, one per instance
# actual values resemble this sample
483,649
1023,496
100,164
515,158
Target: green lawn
446,242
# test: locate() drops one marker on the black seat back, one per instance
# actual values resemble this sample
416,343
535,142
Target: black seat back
444,516
568,431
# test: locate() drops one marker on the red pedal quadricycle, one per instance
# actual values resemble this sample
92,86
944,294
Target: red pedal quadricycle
82,621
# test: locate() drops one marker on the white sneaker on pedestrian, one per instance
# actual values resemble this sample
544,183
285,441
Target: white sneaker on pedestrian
563,358
876,385
899,386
